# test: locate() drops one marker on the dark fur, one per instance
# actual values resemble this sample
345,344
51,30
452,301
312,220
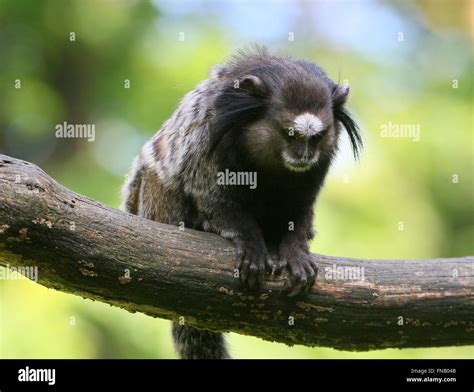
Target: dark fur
222,126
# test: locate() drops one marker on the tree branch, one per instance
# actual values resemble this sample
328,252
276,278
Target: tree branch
83,247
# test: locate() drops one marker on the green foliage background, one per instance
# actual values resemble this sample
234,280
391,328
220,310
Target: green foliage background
427,185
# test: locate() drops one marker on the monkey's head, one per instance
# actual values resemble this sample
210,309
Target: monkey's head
286,114
298,126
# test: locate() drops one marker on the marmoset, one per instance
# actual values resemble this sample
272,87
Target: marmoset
260,113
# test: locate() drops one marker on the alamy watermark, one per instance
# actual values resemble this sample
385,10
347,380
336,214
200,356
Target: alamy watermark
37,375
400,131
344,273
237,178
16,273
75,131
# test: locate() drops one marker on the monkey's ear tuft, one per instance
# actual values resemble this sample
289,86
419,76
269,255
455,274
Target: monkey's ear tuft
340,94
341,114
253,84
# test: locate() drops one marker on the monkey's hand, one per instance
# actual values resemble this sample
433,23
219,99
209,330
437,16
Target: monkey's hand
302,269
253,260
233,223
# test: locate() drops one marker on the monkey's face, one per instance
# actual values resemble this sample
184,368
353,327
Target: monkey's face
289,141
301,119
304,140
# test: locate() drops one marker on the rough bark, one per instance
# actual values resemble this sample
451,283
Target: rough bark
83,247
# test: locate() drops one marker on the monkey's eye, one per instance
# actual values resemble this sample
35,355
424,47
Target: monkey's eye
315,139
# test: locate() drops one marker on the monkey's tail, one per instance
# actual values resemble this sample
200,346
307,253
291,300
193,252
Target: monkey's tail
192,343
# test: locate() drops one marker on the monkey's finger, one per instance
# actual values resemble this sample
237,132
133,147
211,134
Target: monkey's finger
240,257
263,269
244,271
311,271
311,275
300,280
315,267
280,266
261,276
315,274
288,285
268,264
298,288
293,278
253,275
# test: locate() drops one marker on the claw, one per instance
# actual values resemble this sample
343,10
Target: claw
280,267
302,276
268,265
252,264
253,276
244,271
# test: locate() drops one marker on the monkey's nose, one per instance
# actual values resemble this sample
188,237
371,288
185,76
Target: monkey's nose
300,151
301,157
301,154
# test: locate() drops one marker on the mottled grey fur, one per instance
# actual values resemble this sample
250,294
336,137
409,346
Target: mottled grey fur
238,120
